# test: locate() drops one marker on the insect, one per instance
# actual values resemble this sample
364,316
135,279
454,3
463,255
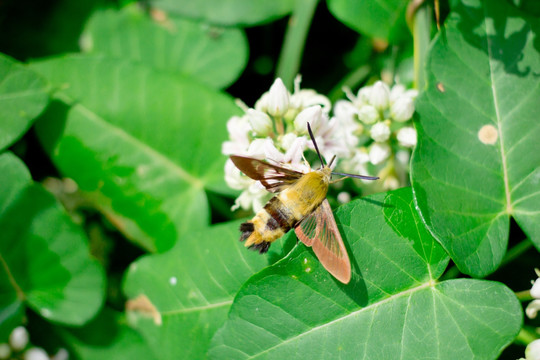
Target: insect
300,203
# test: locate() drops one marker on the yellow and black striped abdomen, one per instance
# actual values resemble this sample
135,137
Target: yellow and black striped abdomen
285,210
271,223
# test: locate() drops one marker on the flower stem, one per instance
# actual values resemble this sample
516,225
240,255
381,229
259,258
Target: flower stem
295,36
351,81
524,295
526,335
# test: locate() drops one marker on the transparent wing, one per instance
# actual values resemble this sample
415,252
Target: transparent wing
319,230
274,178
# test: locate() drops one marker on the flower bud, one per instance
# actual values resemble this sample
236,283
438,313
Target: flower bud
368,114
18,339
532,352
402,109
278,99
379,95
407,136
378,153
390,183
396,92
5,351
380,132
344,197
35,354
260,122
403,156
311,115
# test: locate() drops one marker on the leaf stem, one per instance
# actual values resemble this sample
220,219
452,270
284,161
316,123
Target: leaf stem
421,29
295,36
516,251
20,293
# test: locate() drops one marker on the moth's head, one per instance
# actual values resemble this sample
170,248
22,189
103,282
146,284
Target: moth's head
326,173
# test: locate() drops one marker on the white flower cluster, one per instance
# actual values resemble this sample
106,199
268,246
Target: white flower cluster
361,132
534,306
18,348
276,130
379,118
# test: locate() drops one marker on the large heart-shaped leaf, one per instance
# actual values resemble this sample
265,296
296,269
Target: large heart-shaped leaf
214,55
383,19
229,12
393,308
476,163
180,298
144,145
44,259
23,95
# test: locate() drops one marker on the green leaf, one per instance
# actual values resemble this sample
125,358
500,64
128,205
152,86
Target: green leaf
178,299
381,19
106,337
393,308
214,55
44,260
23,95
229,12
142,144
475,164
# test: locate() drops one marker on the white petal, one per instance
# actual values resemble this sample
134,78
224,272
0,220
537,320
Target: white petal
532,309
234,177
256,148
239,128
311,115
272,153
535,290
309,97
294,154
345,111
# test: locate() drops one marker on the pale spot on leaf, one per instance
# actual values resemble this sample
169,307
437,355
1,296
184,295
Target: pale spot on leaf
142,305
488,134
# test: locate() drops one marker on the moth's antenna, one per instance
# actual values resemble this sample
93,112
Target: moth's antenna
345,175
315,144
332,161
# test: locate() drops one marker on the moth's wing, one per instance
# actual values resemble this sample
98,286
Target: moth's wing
274,178
319,230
